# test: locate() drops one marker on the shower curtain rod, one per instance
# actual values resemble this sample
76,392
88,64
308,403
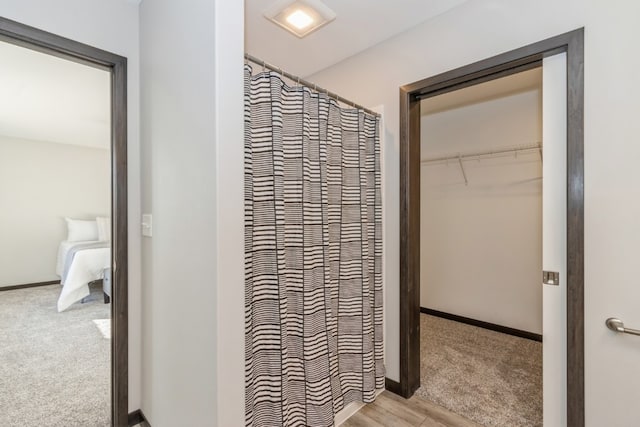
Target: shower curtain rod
308,84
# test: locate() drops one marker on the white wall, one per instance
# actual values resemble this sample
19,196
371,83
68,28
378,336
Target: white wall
482,28
481,243
111,25
193,266
229,24
41,183
179,378
193,323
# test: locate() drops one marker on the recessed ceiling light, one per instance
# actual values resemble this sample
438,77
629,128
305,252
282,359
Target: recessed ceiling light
301,17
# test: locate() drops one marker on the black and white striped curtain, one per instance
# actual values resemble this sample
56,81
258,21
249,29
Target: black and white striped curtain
313,247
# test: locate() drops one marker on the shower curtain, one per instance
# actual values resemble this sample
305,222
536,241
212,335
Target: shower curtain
313,254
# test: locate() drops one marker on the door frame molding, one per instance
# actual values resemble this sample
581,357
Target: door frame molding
572,43
48,43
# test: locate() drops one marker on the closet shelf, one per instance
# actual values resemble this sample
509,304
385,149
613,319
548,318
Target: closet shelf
485,154
459,157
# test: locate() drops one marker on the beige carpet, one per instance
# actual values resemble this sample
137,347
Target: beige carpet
491,378
54,367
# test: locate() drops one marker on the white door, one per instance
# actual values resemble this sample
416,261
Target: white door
554,239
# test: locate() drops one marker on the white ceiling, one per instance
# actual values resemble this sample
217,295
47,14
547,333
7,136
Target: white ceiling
487,91
359,25
46,98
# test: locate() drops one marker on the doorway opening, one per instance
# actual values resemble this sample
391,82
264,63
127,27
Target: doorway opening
506,64
112,284
481,250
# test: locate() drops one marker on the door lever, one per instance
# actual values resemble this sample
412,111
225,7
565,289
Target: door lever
617,325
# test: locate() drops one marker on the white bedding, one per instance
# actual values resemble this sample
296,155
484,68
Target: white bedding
88,265
63,250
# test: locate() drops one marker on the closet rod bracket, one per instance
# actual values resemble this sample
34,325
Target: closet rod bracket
464,174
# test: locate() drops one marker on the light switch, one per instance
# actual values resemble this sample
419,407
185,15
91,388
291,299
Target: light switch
147,225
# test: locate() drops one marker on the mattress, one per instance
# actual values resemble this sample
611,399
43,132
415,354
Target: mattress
63,250
87,265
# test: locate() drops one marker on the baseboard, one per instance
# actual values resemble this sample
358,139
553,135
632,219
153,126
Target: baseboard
137,417
351,409
481,324
29,285
392,386
347,412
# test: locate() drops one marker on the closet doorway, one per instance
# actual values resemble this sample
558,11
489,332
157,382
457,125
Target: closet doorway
34,39
561,59
481,250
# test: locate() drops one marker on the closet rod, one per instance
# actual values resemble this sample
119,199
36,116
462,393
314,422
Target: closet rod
308,84
478,154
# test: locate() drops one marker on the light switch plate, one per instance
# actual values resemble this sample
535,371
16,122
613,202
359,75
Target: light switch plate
147,225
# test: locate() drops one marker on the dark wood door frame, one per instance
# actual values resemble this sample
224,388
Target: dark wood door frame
572,43
45,42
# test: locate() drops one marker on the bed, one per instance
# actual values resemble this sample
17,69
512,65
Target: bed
78,264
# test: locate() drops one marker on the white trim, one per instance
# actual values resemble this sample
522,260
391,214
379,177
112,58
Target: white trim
350,410
347,412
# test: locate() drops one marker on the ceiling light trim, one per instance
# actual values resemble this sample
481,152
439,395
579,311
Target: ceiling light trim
312,12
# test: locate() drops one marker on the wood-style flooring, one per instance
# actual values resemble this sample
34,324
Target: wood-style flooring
390,410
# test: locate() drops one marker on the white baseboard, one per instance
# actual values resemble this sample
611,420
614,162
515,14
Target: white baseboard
350,410
347,412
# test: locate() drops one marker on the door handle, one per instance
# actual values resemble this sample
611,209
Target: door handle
617,325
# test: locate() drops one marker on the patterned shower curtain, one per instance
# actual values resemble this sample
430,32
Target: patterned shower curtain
313,250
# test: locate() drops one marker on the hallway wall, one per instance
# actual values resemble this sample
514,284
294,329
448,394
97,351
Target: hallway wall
193,184
179,355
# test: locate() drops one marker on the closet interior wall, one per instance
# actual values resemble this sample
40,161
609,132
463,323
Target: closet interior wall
481,218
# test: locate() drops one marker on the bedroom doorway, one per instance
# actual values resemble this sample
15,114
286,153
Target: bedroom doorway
563,305
63,134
